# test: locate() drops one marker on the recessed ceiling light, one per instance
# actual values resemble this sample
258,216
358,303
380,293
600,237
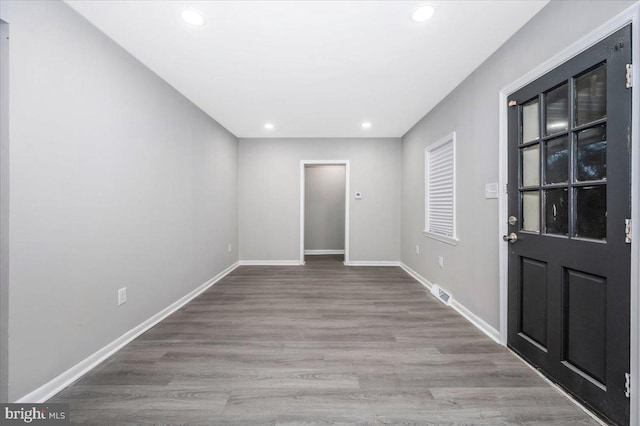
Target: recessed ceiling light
366,125
423,13
269,126
193,17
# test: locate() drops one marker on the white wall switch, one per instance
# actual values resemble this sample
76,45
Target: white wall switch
417,249
441,261
122,296
491,190
229,248
358,195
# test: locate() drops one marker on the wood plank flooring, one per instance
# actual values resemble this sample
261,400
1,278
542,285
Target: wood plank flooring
319,344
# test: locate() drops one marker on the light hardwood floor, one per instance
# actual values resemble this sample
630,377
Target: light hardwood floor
319,344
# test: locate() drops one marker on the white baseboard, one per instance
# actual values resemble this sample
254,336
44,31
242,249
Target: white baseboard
49,389
480,324
372,263
321,252
417,276
270,263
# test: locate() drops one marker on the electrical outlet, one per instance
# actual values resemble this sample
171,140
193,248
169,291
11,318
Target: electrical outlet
122,296
229,248
441,261
417,249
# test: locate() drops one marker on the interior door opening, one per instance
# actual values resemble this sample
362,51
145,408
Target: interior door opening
324,227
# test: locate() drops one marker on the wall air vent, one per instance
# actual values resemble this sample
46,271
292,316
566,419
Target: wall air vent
442,295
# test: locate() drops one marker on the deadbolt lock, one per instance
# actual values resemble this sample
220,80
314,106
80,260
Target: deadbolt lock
512,220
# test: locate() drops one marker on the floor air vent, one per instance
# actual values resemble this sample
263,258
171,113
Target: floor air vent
442,295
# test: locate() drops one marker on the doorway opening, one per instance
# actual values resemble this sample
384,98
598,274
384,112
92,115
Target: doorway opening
324,208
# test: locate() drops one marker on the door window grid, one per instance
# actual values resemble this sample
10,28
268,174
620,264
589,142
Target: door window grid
542,175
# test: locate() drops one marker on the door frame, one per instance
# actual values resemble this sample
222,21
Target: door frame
629,16
303,164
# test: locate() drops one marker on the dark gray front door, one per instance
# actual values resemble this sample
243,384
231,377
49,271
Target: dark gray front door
569,197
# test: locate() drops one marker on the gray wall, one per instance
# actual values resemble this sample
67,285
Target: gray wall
471,268
4,211
269,188
324,207
116,180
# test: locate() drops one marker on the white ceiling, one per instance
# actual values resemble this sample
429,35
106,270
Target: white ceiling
312,68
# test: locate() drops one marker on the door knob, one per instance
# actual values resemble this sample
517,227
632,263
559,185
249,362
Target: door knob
512,237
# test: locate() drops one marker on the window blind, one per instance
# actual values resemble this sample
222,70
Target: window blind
440,190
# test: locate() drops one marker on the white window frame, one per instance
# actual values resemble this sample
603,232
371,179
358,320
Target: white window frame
453,240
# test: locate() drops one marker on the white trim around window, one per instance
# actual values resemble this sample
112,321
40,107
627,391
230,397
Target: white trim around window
440,190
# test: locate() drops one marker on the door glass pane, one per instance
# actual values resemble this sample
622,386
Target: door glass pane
531,165
530,121
556,160
591,212
557,110
591,162
531,211
557,211
591,96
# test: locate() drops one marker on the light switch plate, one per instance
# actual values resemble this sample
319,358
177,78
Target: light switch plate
491,190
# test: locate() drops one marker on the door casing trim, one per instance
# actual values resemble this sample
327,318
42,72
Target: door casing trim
347,166
629,16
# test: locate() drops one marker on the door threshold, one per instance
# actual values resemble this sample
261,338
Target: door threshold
566,394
